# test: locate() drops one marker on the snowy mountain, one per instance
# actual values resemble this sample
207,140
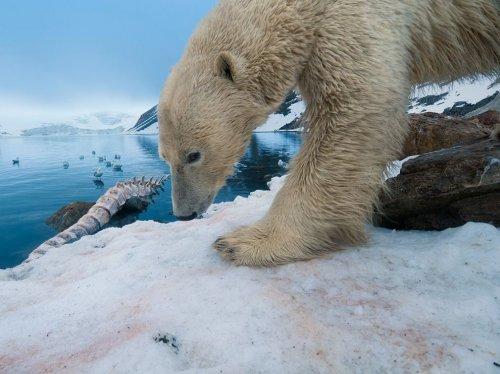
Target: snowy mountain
3,132
455,99
63,129
100,119
94,123
460,98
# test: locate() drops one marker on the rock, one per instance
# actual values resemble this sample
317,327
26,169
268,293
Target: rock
445,188
169,340
68,215
432,131
489,119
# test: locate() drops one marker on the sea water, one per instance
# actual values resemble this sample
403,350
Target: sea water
39,185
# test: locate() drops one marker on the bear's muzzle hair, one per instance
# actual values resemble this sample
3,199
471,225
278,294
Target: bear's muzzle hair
189,199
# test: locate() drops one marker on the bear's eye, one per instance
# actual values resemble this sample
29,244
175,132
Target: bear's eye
193,157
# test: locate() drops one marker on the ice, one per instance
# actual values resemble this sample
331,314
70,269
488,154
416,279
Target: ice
155,298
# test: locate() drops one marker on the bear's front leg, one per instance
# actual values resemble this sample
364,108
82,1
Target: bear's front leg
329,194
322,206
356,97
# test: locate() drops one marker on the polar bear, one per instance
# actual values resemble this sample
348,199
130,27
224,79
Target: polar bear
354,62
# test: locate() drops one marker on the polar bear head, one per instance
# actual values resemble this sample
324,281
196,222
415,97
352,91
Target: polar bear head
206,115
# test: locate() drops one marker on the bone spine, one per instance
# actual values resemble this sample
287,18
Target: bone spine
102,211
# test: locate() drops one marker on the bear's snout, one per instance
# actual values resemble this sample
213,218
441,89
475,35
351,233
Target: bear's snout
190,200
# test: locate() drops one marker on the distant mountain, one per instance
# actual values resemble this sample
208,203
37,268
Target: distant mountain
3,132
456,98
105,119
98,123
63,129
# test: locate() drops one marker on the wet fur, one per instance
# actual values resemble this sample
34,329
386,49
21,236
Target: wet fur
355,63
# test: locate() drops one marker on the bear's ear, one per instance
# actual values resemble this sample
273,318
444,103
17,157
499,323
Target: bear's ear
226,66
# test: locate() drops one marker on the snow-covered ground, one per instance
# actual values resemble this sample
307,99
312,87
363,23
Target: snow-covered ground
115,301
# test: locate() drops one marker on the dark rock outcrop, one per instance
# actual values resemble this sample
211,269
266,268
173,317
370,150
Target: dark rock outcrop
427,100
445,188
68,215
488,119
432,131
463,108
493,105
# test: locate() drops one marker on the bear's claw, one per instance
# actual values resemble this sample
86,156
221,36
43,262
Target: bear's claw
221,246
248,246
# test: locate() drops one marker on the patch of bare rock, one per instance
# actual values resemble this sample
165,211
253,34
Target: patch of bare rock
454,180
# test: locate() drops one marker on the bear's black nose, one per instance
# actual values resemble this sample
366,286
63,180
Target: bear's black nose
187,218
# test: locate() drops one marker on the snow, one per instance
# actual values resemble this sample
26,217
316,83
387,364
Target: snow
94,123
63,129
468,91
394,168
276,121
115,301
100,122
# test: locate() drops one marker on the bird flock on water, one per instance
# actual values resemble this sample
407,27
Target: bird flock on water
115,165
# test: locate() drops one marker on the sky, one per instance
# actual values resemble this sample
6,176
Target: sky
65,57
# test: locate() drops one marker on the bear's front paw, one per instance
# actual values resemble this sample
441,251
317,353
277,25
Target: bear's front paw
263,245
249,246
